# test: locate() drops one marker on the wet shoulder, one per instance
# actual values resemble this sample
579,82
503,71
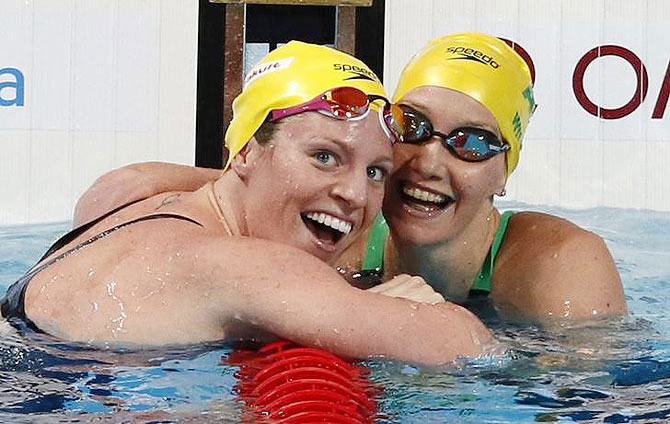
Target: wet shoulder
536,247
541,259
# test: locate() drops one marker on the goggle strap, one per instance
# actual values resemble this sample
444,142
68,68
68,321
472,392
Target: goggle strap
385,128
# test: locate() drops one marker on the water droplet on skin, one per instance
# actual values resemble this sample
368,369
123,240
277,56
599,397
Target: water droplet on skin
555,255
414,306
594,312
95,306
91,271
336,331
566,303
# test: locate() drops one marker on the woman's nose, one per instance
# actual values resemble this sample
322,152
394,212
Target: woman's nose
430,160
352,189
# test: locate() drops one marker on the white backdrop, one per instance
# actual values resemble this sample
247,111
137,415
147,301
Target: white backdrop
87,86
570,157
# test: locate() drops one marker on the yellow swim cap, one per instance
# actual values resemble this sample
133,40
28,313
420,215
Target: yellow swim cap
288,76
484,68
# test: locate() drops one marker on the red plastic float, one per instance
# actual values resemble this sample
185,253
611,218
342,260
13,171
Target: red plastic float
290,384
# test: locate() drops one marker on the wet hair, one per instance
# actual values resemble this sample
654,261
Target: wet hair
266,132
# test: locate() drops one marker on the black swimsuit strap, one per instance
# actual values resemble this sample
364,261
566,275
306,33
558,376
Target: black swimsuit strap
66,239
73,234
13,304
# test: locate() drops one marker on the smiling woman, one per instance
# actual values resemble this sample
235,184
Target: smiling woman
248,253
467,99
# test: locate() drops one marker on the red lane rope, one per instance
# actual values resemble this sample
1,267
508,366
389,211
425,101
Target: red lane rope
290,384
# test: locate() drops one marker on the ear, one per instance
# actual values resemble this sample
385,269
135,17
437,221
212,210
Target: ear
245,160
499,189
501,181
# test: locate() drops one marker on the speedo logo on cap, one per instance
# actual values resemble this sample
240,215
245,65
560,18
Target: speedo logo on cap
357,71
267,67
468,53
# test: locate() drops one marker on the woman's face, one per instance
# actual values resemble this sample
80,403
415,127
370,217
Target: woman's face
432,195
318,183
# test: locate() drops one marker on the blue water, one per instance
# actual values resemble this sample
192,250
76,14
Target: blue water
612,372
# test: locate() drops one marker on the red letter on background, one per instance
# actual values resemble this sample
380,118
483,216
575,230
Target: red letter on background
662,101
640,72
524,55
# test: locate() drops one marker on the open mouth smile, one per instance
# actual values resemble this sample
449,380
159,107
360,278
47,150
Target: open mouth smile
326,228
424,200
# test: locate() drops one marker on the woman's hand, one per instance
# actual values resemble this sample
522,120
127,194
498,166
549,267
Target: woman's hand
409,287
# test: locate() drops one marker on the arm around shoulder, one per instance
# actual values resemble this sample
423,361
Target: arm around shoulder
136,182
296,296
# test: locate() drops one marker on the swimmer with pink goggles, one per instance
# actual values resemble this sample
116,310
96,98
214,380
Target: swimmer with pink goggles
400,123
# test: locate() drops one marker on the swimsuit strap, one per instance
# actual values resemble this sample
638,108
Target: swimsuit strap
73,234
13,304
374,253
98,236
483,280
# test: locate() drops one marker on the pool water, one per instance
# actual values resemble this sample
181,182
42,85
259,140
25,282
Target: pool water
611,371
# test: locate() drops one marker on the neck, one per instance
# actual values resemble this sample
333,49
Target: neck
228,212
451,265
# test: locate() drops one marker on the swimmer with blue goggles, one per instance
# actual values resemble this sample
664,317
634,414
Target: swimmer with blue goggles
466,143
400,122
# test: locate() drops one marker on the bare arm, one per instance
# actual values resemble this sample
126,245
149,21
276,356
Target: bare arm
562,273
298,297
588,284
168,282
135,182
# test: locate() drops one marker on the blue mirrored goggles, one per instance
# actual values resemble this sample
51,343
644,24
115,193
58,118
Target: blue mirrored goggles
467,143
